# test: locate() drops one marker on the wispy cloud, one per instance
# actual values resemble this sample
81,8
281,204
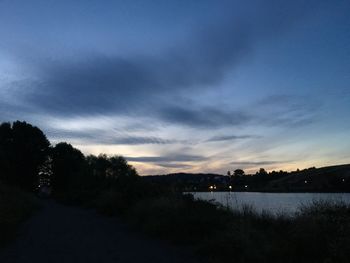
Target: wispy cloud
105,137
219,138
167,158
175,165
254,163
203,117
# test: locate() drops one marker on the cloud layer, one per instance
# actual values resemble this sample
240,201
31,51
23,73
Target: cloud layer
112,83
196,85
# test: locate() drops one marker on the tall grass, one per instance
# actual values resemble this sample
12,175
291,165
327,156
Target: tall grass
319,232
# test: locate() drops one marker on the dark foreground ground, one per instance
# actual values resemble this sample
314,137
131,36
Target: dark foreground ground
59,234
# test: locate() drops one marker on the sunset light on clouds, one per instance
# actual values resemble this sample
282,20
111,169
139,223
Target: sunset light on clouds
201,86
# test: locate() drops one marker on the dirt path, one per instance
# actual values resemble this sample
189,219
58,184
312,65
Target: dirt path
68,234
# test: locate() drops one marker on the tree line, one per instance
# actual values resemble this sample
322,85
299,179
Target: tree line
28,159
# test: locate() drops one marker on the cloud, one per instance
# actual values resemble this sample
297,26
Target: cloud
230,137
108,83
174,165
202,117
134,140
167,158
276,110
107,138
285,110
252,163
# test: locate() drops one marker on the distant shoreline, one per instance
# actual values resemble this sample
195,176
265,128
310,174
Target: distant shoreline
270,192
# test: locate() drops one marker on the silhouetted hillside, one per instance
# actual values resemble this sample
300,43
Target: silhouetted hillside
189,181
325,179
331,179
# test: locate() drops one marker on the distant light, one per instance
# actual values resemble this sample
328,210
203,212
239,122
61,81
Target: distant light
305,181
246,186
214,186
343,180
230,187
211,187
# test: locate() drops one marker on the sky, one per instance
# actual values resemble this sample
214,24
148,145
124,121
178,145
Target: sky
183,86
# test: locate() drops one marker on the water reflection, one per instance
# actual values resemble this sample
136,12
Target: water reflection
271,202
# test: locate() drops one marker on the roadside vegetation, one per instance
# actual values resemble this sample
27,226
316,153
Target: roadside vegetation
316,233
15,206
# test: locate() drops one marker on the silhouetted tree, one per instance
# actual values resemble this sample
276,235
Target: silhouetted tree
238,172
23,148
68,166
261,172
111,168
6,161
120,168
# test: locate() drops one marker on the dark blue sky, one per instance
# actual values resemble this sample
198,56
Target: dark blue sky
183,85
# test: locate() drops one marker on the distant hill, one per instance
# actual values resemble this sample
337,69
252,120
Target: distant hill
331,178
189,181
325,179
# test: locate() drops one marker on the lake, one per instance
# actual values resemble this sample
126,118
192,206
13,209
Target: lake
271,202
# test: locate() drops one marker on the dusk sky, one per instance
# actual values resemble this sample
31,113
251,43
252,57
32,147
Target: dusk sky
191,86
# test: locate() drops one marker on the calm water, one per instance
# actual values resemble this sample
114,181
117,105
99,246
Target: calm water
271,202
